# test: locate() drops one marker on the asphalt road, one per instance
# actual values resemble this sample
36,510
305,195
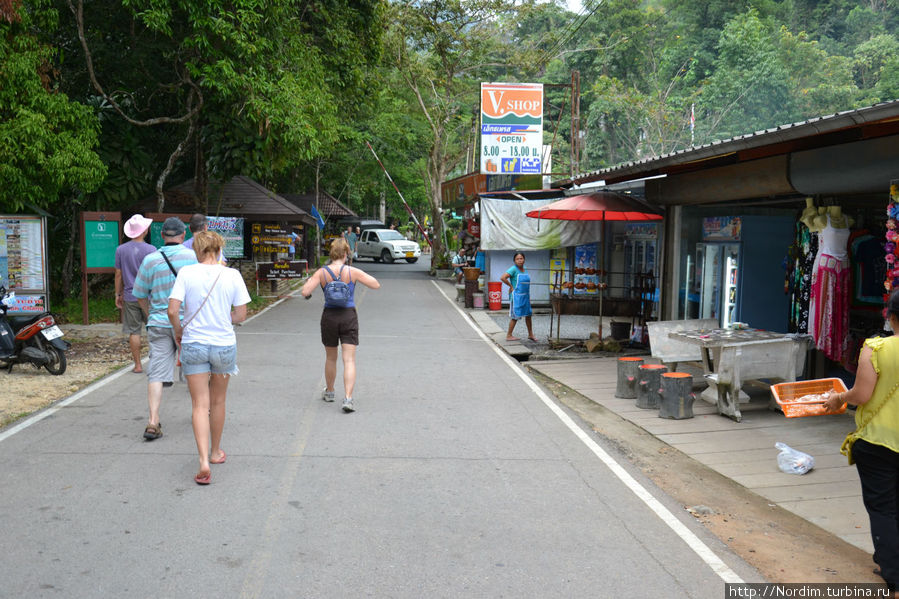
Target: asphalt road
454,478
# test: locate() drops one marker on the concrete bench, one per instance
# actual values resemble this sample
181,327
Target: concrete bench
779,359
671,352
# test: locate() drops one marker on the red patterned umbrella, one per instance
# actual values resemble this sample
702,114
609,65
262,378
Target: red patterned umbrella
601,205
597,206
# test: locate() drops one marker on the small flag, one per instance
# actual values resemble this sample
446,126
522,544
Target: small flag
318,217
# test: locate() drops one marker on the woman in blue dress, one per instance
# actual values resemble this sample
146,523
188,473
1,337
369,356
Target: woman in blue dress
519,282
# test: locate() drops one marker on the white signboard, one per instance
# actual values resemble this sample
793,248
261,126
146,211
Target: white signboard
511,128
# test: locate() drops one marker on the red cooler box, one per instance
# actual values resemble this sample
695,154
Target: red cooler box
495,295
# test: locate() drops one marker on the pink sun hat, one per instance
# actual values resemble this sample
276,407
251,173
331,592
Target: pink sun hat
136,225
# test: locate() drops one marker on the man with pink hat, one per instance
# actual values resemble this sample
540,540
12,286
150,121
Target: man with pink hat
128,257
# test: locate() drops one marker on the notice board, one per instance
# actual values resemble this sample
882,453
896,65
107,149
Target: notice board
101,233
23,262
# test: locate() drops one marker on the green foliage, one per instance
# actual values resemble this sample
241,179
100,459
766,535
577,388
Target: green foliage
47,141
100,308
870,57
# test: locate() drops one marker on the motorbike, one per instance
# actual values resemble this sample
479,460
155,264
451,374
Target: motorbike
30,339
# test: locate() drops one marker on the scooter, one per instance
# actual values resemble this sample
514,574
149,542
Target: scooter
30,339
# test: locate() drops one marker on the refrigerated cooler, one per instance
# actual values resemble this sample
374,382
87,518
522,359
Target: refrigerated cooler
717,280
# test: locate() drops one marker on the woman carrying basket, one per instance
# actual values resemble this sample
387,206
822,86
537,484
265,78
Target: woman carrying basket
874,446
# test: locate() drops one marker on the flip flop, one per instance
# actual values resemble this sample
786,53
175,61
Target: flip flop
221,461
203,480
533,338
513,338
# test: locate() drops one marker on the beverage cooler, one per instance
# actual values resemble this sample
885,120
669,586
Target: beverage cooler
735,273
717,277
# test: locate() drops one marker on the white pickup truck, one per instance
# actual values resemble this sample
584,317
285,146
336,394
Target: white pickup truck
387,245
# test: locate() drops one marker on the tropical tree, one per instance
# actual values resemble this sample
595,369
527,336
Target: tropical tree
47,141
749,88
439,48
248,87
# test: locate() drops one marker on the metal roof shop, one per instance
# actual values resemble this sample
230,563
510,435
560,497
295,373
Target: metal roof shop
754,221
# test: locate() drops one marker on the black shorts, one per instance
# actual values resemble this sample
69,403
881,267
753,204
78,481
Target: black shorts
339,325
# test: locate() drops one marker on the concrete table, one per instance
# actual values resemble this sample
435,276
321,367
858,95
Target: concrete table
730,357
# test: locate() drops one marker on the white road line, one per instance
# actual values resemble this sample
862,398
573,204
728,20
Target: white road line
692,541
57,406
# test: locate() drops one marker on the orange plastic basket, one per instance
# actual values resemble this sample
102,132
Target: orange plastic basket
787,394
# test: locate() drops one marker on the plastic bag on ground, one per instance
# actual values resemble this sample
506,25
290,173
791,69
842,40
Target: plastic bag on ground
792,461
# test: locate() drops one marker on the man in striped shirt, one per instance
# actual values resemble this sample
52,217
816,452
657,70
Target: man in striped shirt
152,287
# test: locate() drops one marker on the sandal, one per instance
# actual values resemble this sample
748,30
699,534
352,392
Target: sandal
153,431
221,461
203,480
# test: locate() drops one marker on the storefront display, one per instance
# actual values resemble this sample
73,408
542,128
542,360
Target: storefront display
829,306
586,275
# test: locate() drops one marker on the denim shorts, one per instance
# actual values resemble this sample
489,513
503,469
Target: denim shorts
200,358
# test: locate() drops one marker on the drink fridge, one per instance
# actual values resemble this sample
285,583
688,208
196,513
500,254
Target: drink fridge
716,277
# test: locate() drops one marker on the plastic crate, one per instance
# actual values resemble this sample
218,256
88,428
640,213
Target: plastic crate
786,394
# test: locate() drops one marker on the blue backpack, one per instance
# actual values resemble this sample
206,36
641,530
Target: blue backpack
337,293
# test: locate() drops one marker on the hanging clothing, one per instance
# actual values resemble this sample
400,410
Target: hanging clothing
801,278
829,305
520,299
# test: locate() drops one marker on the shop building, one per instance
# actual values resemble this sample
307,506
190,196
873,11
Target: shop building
740,241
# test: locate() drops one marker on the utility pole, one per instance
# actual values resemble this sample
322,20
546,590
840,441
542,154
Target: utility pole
575,122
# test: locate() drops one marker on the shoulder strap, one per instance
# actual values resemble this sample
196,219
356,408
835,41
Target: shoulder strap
166,258
330,272
192,316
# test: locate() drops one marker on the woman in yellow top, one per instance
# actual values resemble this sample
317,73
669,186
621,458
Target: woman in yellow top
874,446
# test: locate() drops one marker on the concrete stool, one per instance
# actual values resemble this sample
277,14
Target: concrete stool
626,388
460,292
677,396
649,381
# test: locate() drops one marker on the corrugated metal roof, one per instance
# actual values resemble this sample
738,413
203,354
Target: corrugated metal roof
328,205
879,113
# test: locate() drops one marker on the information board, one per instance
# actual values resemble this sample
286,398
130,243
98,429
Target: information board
281,269
155,236
231,229
269,238
23,262
101,235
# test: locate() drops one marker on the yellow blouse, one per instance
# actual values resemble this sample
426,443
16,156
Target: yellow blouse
883,408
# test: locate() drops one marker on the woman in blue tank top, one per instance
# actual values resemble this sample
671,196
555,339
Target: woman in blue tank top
339,323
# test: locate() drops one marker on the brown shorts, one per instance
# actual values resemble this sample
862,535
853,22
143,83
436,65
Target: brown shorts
339,325
133,318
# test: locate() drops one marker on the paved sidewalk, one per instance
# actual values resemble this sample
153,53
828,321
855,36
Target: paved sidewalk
828,496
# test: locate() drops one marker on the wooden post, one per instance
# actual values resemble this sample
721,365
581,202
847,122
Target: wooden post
676,396
649,381
626,387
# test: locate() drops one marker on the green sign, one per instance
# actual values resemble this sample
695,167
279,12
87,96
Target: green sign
156,234
101,238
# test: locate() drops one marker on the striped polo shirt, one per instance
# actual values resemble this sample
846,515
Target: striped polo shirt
155,281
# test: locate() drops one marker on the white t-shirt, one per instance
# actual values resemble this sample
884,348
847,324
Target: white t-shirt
212,324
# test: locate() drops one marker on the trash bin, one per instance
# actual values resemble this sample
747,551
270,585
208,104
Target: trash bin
495,295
